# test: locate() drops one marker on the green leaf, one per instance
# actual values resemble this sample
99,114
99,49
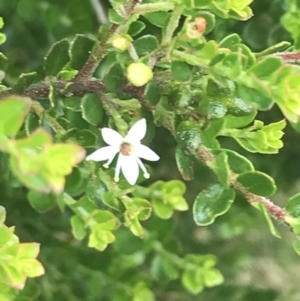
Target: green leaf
259,138
80,50
212,107
170,267
135,28
92,110
73,103
255,97
106,220
134,225
212,202
193,281
28,250
5,236
273,230
78,227
293,205
85,138
257,183
221,167
265,67
34,181
32,122
213,277
99,238
162,210
114,17
12,113
57,57
239,108
41,202
145,44
153,93
190,137
109,199
74,182
32,268
239,122
113,79
181,71
230,40
142,293
237,163
25,80
58,162
184,164
158,18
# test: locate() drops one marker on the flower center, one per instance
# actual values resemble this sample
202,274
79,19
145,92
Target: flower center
126,149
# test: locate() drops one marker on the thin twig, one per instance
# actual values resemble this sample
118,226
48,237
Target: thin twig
274,210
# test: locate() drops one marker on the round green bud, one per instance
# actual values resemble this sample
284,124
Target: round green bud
120,43
139,74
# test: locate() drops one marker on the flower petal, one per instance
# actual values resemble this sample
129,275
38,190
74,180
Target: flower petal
130,169
145,152
111,137
137,131
103,153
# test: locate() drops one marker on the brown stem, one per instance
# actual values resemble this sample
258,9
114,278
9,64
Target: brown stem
101,48
289,57
95,58
274,210
63,88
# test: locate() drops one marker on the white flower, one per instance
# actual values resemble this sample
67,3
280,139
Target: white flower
130,151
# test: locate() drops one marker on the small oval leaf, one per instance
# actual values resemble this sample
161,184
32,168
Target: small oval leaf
212,202
258,183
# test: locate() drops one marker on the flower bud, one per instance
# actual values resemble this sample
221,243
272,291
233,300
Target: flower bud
139,74
120,43
197,28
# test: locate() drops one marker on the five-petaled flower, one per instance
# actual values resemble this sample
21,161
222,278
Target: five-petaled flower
130,151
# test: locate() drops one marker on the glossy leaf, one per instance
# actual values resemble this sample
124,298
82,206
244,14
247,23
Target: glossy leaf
158,18
145,44
80,50
212,202
25,80
221,167
92,110
153,93
257,182
114,78
57,57
135,28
